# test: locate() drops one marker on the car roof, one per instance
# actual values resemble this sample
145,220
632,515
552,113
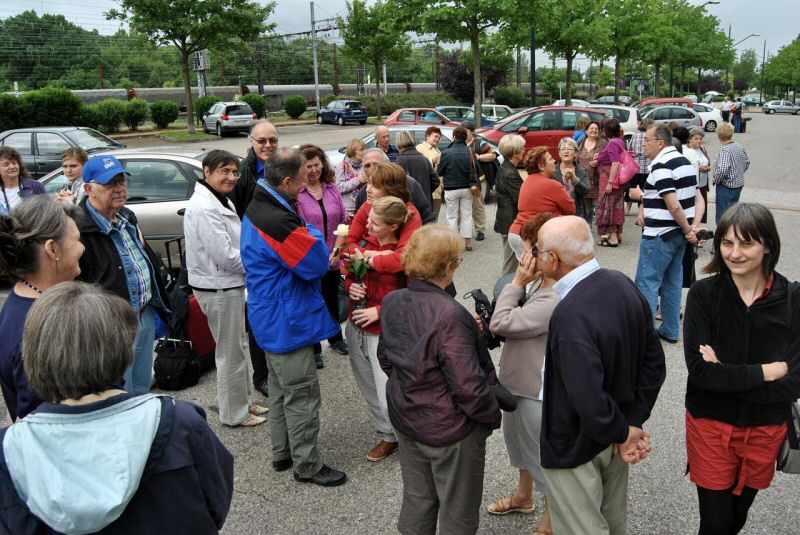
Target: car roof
670,106
610,107
232,103
167,150
47,129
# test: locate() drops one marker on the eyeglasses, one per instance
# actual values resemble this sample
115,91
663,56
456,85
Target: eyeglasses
650,139
122,181
224,171
265,140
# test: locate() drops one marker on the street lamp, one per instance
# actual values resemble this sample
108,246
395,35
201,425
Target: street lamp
734,46
746,38
712,2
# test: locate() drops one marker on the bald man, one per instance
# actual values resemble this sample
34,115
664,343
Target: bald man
263,138
383,139
604,367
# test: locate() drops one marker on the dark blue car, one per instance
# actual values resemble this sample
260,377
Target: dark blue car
342,112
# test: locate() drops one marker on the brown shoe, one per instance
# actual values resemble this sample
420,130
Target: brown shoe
381,451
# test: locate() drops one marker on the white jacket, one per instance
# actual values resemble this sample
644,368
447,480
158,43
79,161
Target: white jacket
212,235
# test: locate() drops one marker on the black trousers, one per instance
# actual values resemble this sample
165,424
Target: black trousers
330,293
257,357
722,512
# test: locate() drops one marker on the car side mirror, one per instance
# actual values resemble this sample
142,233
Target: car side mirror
522,130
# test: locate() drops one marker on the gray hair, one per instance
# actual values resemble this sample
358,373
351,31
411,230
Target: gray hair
510,144
373,150
87,356
404,139
259,123
662,133
284,162
22,235
567,141
570,238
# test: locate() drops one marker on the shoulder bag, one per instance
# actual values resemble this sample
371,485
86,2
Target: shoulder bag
789,457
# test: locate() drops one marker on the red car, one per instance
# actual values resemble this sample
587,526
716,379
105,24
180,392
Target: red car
545,125
425,116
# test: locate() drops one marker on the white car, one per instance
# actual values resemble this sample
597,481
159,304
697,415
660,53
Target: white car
628,117
496,112
711,116
575,102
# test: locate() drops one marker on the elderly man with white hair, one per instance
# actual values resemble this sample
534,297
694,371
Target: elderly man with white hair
383,139
604,367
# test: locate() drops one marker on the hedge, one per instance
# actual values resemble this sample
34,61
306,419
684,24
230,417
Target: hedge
392,101
257,102
512,97
295,105
51,106
164,112
135,112
203,104
110,114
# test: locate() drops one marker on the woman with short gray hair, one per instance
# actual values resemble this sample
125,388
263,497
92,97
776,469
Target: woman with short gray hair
574,177
39,247
507,185
137,463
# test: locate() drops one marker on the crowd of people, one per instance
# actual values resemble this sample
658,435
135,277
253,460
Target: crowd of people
273,243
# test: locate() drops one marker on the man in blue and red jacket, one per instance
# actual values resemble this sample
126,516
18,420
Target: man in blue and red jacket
285,258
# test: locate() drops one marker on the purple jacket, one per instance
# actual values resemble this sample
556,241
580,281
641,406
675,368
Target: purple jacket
310,211
440,372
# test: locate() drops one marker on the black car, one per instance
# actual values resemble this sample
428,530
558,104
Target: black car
41,147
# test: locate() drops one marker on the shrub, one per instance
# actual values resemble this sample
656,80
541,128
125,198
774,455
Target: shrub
110,114
203,104
90,116
512,97
257,102
164,112
51,106
135,112
295,106
13,111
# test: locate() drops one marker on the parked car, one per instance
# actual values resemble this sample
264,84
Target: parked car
624,100
666,114
497,112
426,116
752,101
225,117
667,101
575,102
544,125
41,147
342,112
337,155
161,182
628,117
781,106
711,116
461,114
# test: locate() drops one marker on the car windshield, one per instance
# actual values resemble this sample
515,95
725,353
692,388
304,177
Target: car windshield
90,140
352,104
240,109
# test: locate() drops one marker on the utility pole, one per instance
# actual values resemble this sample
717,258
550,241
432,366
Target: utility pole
763,61
436,63
260,66
533,65
385,85
336,89
519,66
314,47
727,68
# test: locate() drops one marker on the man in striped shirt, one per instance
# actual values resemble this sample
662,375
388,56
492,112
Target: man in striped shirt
671,204
729,168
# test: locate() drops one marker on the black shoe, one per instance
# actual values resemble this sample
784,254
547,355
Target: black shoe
668,340
480,237
326,477
261,386
340,347
282,465
319,361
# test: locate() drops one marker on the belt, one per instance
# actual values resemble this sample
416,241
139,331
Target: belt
214,290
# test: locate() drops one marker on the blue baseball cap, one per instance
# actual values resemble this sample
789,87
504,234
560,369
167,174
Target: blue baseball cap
102,169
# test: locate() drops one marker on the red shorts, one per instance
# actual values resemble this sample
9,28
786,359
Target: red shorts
722,455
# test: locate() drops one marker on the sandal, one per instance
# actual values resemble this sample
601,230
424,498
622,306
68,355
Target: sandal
252,421
503,506
542,532
604,241
257,410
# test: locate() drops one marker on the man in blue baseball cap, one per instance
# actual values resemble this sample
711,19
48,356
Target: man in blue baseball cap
118,259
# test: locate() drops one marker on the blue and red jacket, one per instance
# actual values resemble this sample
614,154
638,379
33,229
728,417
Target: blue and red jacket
284,259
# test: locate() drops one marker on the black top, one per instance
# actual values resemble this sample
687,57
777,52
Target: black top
603,370
419,167
457,167
19,398
743,339
242,194
508,183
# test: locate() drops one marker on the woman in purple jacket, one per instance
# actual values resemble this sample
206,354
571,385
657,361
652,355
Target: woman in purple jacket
440,392
15,184
320,203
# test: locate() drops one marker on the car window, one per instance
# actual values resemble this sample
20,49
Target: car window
353,104
681,113
430,117
501,113
469,114
407,116
551,120
20,141
660,114
55,184
90,139
239,109
156,180
50,143
621,115
516,124
568,119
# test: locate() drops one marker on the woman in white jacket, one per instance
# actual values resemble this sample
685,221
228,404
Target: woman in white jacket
216,275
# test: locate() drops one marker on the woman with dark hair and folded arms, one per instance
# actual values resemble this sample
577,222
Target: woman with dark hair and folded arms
742,344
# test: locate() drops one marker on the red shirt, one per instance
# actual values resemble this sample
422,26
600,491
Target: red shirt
392,263
540,194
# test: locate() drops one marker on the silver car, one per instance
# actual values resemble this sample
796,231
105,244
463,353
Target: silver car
161,182
666,114
781,106
225,117
335,156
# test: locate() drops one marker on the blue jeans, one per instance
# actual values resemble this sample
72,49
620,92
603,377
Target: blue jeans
661,267
140,374
725,198
737,122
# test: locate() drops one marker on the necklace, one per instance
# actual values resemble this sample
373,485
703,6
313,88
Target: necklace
313,190
31,286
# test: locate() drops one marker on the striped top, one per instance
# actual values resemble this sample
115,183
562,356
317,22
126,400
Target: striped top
670,172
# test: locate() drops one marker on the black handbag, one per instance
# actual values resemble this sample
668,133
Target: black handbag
789,456
176,366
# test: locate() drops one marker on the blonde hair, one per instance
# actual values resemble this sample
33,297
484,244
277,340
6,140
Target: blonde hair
510,144
353,146
431,251
392,210
405,139
725,131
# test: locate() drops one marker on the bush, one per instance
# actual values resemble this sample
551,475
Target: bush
257,102
135,112
13,112
295,106
164,112
512,97
90,117
51,106
203,104
110,114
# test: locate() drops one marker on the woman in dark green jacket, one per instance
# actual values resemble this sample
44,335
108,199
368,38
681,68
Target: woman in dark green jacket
507,184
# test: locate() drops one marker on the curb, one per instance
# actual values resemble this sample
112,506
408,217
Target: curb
172,140
157,133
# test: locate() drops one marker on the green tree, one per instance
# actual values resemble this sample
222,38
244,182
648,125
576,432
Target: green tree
745,68
371,35
194,25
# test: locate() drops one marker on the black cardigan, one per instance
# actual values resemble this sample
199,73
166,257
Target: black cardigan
743,339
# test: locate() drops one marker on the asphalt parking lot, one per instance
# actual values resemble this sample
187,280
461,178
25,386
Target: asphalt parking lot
661,498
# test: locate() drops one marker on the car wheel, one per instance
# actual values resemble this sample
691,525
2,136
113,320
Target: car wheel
341,121
771,111
711,126
319,119
219,130
362,123
797,111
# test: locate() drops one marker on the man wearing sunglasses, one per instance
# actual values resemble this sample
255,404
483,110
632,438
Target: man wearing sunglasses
263,142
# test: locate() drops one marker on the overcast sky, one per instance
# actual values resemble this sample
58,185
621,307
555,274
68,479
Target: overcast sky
775,20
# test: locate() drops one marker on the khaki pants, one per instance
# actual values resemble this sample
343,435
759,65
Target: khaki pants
225,313
459,211
510,262
590,498
294,401
479,209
